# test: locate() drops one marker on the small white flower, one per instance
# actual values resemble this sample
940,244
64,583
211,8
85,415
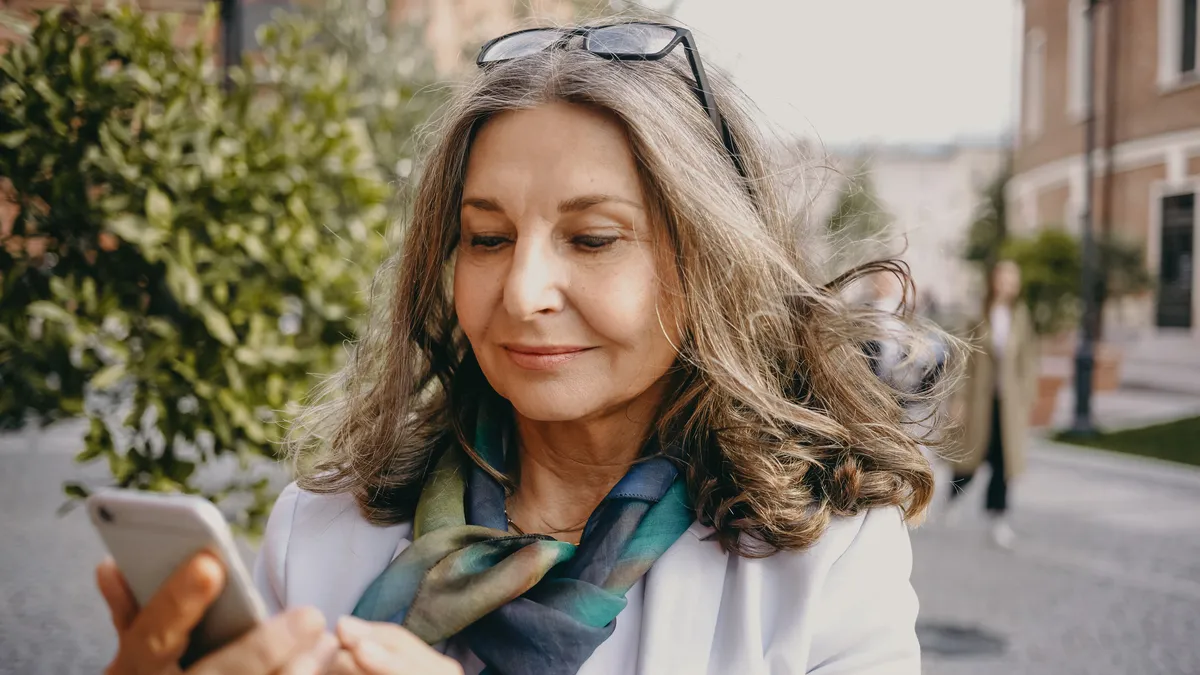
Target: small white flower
289,324
187,405
115,326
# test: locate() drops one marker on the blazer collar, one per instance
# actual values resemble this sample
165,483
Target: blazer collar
682,600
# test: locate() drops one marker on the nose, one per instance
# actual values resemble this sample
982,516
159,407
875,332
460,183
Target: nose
534,285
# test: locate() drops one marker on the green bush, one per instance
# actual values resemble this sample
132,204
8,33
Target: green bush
988,230
1050,272
206,251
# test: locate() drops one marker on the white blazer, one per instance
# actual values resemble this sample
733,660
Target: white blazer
845,606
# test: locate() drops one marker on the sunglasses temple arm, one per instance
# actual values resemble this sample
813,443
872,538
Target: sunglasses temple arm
710,104
701,80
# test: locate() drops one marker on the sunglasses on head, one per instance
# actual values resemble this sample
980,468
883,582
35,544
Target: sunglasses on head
634,41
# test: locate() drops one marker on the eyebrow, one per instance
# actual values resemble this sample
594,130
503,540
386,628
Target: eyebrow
572,205
585,202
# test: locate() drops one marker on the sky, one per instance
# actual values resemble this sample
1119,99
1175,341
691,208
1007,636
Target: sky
848,71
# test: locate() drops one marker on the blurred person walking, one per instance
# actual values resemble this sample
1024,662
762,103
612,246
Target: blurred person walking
997,397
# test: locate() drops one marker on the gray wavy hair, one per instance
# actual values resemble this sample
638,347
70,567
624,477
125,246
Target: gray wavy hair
781,421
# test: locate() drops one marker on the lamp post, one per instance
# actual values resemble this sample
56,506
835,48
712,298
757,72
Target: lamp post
1085,354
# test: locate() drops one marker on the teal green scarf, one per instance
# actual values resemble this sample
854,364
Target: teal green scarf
525,603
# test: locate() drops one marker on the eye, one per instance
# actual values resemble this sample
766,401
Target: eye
593,242
488,242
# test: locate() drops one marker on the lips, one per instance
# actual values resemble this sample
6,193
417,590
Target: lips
543,357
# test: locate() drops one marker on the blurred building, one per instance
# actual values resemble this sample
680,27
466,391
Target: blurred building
454,29
930,193
1147,159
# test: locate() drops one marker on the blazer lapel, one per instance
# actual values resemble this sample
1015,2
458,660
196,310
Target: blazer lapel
682,601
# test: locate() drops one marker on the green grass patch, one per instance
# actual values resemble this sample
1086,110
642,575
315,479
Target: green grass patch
1177,441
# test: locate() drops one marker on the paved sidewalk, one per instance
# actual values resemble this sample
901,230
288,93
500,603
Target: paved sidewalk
1104,577
1127,408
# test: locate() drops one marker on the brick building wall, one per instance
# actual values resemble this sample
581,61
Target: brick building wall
1155,125
1143,107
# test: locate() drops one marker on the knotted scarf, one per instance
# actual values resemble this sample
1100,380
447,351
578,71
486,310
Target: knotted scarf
524,603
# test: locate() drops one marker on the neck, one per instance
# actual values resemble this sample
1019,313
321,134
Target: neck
568,468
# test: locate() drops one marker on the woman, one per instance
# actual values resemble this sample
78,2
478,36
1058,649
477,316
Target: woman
998,396
603,423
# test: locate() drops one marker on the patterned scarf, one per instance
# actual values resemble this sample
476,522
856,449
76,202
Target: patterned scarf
524,603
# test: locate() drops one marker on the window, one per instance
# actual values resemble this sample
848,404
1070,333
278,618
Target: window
1032,113
1187,56
1178,28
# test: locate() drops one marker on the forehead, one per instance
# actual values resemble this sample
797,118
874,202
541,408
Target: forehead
559,147
1007,268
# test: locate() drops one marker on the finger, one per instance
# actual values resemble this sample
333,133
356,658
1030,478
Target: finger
316,661
162,628
117,595
382,648
269,647
344,664
373,658
352,631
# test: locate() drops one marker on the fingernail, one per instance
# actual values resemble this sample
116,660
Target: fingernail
207,572
305,620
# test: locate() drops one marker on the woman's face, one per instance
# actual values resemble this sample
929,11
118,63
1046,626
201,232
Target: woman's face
1006,281
557,281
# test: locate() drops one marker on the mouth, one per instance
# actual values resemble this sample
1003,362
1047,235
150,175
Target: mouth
543,357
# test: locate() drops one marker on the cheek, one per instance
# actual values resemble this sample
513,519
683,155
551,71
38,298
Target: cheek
629,306
471,298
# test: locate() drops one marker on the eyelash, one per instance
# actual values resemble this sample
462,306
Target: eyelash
588,243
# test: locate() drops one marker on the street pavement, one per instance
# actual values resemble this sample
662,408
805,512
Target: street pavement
1104,577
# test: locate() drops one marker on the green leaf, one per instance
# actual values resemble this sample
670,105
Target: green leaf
158,209
109,376
14,139
184,284
134,230
76,490
180,470
49,311
217,324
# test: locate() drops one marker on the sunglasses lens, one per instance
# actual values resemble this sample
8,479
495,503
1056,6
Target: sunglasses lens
520,44
630,39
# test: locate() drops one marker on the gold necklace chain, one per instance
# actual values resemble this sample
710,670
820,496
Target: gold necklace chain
517,529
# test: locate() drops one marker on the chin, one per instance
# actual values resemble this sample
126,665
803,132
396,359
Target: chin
542,408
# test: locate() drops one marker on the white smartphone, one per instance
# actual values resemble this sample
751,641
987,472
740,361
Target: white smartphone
150,535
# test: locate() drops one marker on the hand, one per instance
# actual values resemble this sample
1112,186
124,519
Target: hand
152,639
373,648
